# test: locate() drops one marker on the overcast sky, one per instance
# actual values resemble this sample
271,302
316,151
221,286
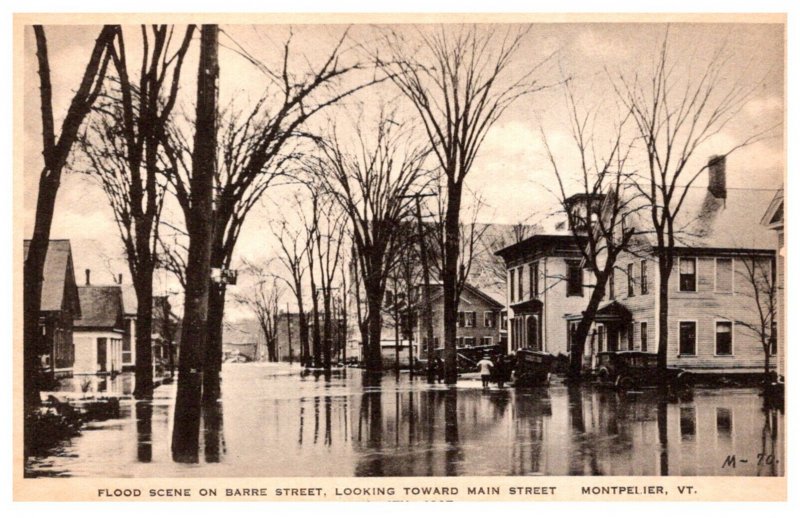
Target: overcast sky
511,172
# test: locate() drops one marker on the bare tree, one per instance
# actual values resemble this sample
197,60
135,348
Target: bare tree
460,80
294,247
122,150
761,286
600,212
674,117
55,152
369,184
257,146
263,300
188,401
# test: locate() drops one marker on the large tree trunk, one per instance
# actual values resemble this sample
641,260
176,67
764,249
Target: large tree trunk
579,341
55,152
212,364
663,316
144,344
450,281
186,429
374,358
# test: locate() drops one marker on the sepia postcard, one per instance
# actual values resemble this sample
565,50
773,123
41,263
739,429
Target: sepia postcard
382,257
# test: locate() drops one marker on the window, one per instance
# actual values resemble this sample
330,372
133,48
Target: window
611,294
773,338
504,320
688,338
723,275
520,294
488,319
534,279
436,342
461,319
643,335
487,340
572,335
102,353
532,328
469,320
469,341
724,340
643,277
688,275
511,284
630,280
574,279
631,327
724,423
601,332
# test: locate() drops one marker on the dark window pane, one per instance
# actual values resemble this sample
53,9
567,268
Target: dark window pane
687,338
630,280
574,279
688,275
643,335
724,338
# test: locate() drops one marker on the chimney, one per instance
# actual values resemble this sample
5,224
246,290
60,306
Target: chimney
120,279
716,177
88,277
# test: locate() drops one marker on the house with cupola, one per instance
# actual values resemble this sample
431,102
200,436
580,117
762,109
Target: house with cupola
723,258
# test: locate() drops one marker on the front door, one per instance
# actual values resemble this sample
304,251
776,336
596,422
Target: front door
613,338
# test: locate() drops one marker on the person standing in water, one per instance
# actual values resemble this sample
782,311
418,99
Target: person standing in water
485,366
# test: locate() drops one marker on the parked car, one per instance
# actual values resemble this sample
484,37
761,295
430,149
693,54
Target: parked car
633,369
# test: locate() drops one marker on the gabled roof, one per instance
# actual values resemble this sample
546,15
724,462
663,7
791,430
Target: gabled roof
58,284
102,307
468,288
705,221
773,217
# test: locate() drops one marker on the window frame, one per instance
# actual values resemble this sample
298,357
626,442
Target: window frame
469,319
644,285
643,335
571,263
521,282
612,295
680,275
492,320
716,338
489,339
733,270
511,273
631,287
680,353
534,277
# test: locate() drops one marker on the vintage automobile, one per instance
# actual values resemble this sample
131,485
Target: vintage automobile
634,369
532,368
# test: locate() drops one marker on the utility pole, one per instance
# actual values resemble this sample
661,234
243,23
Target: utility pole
426,289
396,330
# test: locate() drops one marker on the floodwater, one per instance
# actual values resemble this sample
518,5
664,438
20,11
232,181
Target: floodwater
273,421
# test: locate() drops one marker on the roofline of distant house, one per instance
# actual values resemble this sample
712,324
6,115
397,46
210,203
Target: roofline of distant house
488,298
78,327
538,237
702,250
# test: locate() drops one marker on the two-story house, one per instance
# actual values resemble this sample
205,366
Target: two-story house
773,219
479,319
546,281
60,305
713,311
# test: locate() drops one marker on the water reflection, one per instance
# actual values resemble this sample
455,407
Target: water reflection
287,424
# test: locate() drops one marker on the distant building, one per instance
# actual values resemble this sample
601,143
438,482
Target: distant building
100,330
239,352
60,305
479,320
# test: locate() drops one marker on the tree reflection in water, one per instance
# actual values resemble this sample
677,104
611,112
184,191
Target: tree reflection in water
213,434
144,430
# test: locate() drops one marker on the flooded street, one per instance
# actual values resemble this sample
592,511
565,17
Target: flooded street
273,421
